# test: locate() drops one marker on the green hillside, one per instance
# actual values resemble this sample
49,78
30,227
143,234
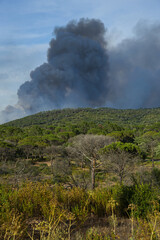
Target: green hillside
99,115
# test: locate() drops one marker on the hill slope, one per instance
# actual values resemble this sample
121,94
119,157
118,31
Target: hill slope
99,115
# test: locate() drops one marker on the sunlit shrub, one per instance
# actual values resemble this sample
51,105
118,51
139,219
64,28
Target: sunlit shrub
99,202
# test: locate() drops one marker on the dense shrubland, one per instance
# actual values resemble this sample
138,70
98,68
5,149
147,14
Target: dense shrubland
86,174
59,213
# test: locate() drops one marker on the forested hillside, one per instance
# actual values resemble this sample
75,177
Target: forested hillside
81,174
99,115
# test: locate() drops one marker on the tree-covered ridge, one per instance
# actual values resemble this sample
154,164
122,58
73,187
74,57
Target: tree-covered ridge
99,115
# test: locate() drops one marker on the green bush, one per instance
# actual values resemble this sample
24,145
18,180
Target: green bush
122,195
143,197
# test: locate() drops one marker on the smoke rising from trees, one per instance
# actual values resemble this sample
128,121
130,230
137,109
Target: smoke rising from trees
81,71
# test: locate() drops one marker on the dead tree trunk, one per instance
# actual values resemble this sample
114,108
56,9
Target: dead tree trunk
93,164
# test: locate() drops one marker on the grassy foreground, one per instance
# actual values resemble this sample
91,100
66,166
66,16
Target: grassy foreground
41,211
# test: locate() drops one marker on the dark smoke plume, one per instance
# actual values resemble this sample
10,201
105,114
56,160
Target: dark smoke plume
76,72
135,69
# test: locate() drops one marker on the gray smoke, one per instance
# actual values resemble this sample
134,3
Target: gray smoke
135,69
11,113
76,72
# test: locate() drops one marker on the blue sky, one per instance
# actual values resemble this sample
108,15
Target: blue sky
27,25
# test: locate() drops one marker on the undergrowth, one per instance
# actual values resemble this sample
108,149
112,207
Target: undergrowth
40,211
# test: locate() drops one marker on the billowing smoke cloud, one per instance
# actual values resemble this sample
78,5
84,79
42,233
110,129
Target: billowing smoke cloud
80,72
135,69
76,72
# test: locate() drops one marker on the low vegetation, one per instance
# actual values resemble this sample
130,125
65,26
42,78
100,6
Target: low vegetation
81,174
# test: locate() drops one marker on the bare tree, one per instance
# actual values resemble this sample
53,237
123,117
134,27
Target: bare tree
61,168
86,149
120,162
52,152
